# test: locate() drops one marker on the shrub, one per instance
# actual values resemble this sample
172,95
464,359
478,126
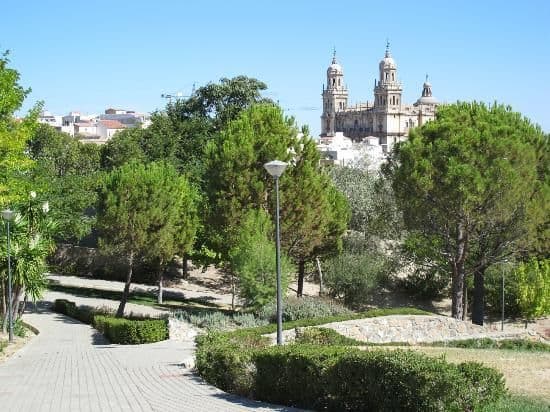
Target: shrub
225,360
3,345
219,321
352,276
324,336
135,330
303,308
493,290
19,328
295,375
408,381
130,331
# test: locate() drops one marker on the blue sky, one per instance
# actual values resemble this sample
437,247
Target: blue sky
88,56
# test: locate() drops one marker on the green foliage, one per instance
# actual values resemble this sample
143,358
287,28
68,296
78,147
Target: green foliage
124,147
472,187
324,336
253,260
313,214
3,345
67,174
534,288
15,165
219,321
306,307
339,378
493,290
488,343
131,331
19,328
146,211
295,375
354,276
225,360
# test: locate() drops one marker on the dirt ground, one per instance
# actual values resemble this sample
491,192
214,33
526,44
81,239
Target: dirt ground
17,344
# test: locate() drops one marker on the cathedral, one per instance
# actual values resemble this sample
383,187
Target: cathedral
387,117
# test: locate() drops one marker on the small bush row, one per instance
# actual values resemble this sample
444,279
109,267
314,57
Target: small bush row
305,307
220,321
340,379
133,331
488,343
324,336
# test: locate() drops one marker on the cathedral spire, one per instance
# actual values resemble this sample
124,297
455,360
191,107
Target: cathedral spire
334,55
387,48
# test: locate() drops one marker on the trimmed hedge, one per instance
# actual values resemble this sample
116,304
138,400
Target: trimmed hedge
133,331
325,336
341,378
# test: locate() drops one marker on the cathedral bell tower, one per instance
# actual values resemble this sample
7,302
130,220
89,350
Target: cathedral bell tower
388,90
335,97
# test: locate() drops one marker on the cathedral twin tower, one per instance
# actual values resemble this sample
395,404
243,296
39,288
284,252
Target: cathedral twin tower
386,117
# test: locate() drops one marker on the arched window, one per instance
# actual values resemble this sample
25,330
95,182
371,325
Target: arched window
393,76
338,82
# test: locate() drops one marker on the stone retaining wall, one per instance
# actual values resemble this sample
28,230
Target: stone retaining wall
411,329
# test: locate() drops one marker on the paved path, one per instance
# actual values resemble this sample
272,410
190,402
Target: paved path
70,367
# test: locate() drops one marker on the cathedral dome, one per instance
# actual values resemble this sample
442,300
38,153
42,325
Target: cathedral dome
334,68
426,97
387,62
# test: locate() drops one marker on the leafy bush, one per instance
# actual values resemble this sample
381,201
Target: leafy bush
353,276
225,360
130,331
295,375
425,284
534,288
3,345
84,314
409,381
19,329
324,336
303,308
220,321
341,379
488,343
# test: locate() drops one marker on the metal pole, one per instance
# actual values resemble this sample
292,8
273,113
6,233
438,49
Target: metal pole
502,320
278,263
10,300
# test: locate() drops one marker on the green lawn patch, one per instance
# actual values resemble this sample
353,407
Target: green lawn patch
488,343
516,404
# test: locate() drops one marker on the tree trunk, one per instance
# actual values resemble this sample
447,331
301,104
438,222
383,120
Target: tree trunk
126,292
161,278
457,268
479,298
465,301
320,276
185,265
301,275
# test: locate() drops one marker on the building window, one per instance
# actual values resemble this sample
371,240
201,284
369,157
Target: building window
393,76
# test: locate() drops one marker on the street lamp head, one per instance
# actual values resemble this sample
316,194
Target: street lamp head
8,215
275,168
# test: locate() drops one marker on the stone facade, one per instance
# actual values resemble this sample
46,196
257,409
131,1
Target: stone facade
387,117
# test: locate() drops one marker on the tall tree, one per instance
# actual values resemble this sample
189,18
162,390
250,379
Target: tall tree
15,165
141,212
466,183
67,174
311,213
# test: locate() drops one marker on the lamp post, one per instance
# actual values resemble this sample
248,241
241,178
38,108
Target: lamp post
276,168
8,216
502,303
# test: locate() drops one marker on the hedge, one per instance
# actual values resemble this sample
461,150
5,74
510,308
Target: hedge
130,331
123,331
341,378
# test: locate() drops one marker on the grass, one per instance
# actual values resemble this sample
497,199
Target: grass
488,343
527,373
195,305
517,404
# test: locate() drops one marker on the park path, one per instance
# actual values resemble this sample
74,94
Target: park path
69,366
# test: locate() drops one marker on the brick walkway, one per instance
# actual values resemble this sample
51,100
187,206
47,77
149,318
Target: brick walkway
70,367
